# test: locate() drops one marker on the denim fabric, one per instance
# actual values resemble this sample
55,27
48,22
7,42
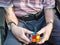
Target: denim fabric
36,25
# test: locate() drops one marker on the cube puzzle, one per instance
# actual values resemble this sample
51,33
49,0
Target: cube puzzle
35,37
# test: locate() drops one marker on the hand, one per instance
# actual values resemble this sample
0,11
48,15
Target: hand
19,33
46,33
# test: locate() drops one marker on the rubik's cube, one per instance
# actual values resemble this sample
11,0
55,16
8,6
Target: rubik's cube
35,37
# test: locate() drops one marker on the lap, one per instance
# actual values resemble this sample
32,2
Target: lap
11,40
56,31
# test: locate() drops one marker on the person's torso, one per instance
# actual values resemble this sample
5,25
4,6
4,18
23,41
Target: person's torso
26,7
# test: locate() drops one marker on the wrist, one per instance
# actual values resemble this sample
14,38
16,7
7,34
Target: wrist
50,25
11,25
50,22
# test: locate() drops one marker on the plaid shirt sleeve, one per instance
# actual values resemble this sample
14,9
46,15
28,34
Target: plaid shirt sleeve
49,4
6,3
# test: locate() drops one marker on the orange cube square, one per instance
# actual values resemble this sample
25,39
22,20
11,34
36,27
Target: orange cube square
33,40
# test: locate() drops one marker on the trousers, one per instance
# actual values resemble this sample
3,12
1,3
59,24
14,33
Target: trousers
36,25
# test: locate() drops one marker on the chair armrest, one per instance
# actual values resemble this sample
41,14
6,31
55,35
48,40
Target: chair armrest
2,24
2,18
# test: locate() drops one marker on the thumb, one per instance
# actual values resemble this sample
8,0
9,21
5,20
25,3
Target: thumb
41,31
28,31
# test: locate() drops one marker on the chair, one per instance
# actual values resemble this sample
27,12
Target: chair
2,25
58,7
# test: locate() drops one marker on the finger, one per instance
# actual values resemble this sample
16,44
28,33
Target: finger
20,39
28,31
44,38
24,37
41,31
42,41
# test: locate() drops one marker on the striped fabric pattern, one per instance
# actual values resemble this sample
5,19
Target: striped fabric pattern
26,7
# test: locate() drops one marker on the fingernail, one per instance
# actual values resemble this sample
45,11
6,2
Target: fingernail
33,32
